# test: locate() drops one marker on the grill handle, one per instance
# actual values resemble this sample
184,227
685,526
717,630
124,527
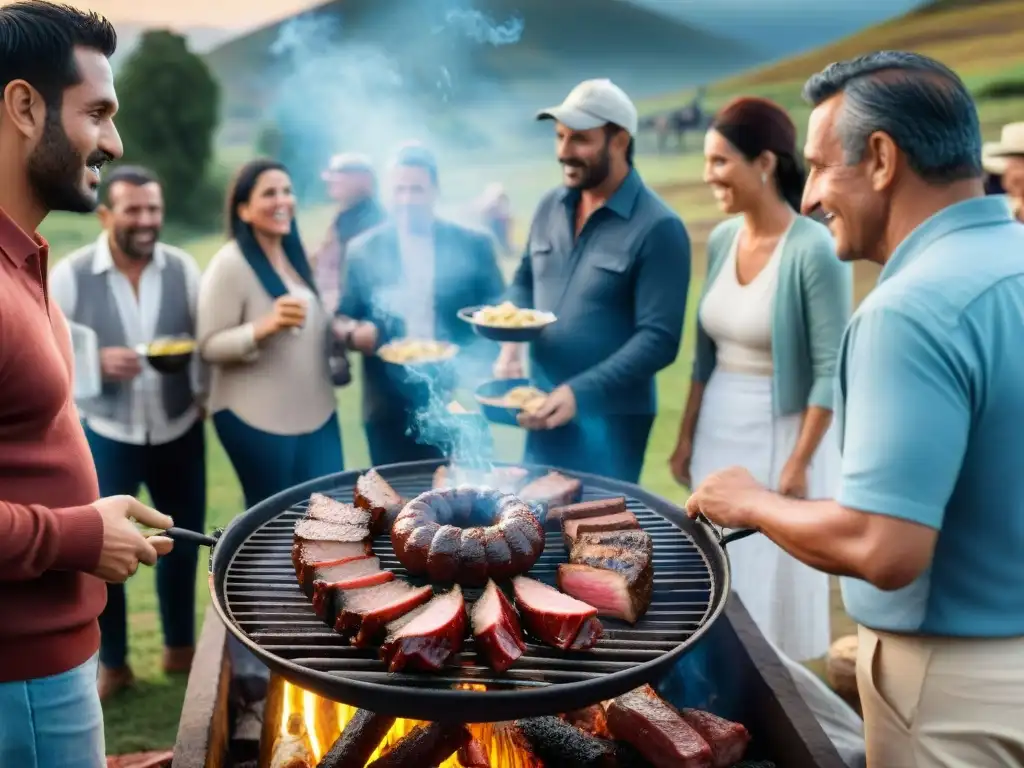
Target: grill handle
725,539
191,537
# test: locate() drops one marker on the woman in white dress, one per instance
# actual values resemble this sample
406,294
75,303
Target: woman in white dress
776,301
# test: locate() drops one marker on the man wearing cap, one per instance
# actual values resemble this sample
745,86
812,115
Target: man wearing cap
612,261
408,279
1005,158
352,185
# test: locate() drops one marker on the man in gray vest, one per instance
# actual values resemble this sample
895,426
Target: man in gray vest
144,427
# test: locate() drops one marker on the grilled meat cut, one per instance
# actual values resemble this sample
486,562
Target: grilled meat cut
425,746
364,612
504,479
375,495
362,735
618,521
629,539
351,574
728,740
499,637
657,730
585,509
318,530
330,510
553,489
556,618
429,640
618,581
307,555
552,741
473,755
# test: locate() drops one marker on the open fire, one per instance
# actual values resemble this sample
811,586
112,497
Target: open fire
308,725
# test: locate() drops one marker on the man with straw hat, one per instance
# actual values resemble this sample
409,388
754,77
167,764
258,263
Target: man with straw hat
1005,158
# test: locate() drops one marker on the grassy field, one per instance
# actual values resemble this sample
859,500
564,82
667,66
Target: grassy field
984,43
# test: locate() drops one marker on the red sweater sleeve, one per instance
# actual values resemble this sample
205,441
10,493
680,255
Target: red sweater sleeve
35,539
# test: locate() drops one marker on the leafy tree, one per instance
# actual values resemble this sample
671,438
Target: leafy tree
169,112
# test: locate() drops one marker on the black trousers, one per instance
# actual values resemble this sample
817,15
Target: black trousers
610,446
175,476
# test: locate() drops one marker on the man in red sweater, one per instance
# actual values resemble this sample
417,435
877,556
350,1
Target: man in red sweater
58,543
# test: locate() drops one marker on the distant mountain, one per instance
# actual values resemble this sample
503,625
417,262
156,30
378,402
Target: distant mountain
779,28
491,51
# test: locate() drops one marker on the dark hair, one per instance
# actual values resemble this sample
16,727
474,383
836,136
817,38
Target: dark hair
37,40
241,192
610,129
415,155
920,103
755,126
132,175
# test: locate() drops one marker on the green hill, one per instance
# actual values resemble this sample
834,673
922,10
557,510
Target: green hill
561,43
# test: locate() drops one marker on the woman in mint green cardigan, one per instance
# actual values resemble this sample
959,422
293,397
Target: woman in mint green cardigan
775,303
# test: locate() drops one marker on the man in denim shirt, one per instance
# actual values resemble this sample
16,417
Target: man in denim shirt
612,262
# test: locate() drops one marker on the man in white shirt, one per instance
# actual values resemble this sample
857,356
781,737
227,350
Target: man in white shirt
144,427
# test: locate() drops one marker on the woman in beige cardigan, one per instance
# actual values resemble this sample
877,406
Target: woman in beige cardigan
264,333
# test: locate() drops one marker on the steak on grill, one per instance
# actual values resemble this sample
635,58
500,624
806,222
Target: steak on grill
728,740
425,746
657,730
308,555
499,637
374,494
617,580
618,521
365,611
556,618
585,509
354,573
428,641
504,479
330,510
553,489
362,735
630,539
319,530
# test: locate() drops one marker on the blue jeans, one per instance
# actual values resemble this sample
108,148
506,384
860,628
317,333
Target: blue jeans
53,722
175,475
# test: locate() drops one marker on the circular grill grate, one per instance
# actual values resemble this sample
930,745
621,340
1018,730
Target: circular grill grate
263,599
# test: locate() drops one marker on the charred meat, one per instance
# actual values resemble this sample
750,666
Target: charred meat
362,735
428,641
330,510
553,489
556,618
728,740
585,509
364,612
424,746
351,574
307,556
618,581
657,730
499,637
319,530
618,521
375,495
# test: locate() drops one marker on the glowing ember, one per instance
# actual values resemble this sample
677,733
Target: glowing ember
309,725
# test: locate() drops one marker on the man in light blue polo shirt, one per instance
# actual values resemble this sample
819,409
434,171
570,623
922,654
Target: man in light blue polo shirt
928,525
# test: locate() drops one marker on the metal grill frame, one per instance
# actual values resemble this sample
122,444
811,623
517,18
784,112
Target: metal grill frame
254,590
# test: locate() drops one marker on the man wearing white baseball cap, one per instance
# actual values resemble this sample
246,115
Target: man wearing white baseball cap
612,261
